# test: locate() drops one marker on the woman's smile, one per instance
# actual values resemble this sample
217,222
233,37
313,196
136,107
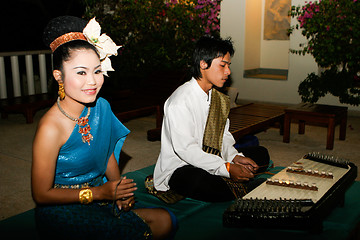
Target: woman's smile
90,91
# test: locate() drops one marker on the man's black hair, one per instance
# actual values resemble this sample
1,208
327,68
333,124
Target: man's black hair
208,48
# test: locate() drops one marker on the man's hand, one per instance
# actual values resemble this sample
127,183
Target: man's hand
246,162
243,168
240,173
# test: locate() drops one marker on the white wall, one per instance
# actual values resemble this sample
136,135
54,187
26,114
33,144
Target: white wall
233,15
253,35
232,24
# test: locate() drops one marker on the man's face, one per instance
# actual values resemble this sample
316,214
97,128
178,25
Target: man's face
218,72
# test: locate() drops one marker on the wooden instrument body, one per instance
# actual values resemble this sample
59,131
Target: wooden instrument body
298,197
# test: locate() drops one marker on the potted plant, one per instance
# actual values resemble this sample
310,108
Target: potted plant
332,30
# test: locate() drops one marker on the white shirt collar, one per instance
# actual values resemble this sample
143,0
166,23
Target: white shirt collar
202,93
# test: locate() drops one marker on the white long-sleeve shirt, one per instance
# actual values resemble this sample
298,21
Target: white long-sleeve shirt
185,116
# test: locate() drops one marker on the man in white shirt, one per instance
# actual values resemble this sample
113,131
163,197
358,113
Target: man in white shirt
183,166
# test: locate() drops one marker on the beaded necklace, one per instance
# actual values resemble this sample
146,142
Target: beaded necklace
83,122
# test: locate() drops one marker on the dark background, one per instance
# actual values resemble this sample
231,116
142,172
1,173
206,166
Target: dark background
23,21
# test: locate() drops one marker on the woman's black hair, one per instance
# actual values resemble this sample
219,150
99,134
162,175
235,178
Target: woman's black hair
207,48
60,26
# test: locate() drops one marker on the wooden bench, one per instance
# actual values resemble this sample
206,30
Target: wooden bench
253,118
27,105
317,113
140,112
147,98
24,83
246,119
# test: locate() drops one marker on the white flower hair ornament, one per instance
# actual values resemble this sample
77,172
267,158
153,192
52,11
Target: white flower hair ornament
103,43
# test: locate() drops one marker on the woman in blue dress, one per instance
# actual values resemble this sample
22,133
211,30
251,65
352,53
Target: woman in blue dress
76,182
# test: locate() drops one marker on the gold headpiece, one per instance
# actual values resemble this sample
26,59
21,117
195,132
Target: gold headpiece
66,38
91,33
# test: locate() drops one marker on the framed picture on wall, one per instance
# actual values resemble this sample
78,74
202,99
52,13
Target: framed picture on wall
276,19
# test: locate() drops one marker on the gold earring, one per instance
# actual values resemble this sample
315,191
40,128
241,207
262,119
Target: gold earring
61,91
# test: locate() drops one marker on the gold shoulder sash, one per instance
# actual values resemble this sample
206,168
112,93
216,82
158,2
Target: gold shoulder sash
216,121
214,132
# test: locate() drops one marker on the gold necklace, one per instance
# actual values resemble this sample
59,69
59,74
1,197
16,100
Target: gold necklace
83,122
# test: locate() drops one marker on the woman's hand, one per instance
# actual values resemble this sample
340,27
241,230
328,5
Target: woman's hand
126,203
119,189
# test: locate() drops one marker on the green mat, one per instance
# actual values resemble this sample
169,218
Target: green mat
202,220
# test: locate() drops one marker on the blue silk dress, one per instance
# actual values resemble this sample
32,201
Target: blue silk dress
80,165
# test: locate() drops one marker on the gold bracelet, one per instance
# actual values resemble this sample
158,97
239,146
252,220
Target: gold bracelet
85,196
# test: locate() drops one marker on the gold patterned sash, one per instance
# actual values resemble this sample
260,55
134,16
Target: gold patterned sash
214,132
216,121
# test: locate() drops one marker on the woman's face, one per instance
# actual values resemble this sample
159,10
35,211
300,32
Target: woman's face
83,77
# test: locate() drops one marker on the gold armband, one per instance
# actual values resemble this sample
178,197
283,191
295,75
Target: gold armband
85,196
